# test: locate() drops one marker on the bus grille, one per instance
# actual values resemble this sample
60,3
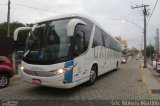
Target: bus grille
39,73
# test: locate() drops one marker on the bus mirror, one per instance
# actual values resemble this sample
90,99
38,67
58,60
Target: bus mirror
20,29
71,26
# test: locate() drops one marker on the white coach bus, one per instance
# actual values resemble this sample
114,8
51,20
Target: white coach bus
66,51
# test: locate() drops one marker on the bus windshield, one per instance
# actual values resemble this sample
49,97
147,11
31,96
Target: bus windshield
48,41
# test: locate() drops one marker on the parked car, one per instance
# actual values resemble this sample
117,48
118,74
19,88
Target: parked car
123,60
158,65
154,64
6,71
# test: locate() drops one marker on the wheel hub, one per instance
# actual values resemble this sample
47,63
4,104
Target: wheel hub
93,75
3,81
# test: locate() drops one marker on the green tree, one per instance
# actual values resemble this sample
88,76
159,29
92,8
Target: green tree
124,52
150,51
14,25
135,51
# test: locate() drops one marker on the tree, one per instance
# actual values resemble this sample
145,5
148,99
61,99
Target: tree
14,25
150,51
135,51
124,52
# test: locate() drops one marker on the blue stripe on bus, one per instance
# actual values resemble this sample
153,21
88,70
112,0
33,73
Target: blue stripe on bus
68,76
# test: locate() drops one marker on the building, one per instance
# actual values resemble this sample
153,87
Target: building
122,42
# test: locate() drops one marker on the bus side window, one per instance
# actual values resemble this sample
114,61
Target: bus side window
97,40
79,46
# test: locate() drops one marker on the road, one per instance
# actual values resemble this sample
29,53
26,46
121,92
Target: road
123,84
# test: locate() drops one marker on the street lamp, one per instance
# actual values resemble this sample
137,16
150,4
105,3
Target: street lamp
123,21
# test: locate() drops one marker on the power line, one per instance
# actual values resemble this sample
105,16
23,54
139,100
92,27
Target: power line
152,12
37,8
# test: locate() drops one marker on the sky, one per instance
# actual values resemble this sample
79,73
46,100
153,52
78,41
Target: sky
116,16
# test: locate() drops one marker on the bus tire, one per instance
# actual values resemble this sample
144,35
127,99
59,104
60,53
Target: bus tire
93,75
117,65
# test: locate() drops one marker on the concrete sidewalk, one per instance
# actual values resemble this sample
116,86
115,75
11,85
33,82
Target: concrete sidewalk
15,77
151,79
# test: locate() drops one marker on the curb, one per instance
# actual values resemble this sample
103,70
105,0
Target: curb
15,77
149,91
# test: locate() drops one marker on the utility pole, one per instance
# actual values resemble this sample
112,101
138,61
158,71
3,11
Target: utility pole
150,50
141,48
8,19
145,14
157,43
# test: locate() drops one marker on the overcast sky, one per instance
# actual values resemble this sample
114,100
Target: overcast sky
108,13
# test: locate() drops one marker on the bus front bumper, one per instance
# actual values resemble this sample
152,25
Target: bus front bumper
54,81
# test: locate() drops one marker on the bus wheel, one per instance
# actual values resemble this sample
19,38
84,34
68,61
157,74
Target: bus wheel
117,66
93,75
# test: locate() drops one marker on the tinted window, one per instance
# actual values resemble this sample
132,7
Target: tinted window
101,38
87,32
118,48
97,40
79,42
106,39
87,29
114,45
111,44
48,42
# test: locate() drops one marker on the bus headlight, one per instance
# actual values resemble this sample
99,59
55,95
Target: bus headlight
22,68
62,70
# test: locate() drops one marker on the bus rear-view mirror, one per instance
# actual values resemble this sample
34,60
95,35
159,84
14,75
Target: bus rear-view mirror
16,32
71,26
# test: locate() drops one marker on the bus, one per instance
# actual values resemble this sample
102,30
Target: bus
68,50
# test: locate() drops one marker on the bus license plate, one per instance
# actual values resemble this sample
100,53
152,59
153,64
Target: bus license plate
36,81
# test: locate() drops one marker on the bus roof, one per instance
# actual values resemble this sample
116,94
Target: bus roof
70,16
65,16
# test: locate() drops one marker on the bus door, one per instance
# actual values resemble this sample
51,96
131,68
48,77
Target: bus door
79,53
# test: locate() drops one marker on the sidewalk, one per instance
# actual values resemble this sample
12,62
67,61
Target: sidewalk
152,81
15,77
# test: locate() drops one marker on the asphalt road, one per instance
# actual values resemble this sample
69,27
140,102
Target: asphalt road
123,84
